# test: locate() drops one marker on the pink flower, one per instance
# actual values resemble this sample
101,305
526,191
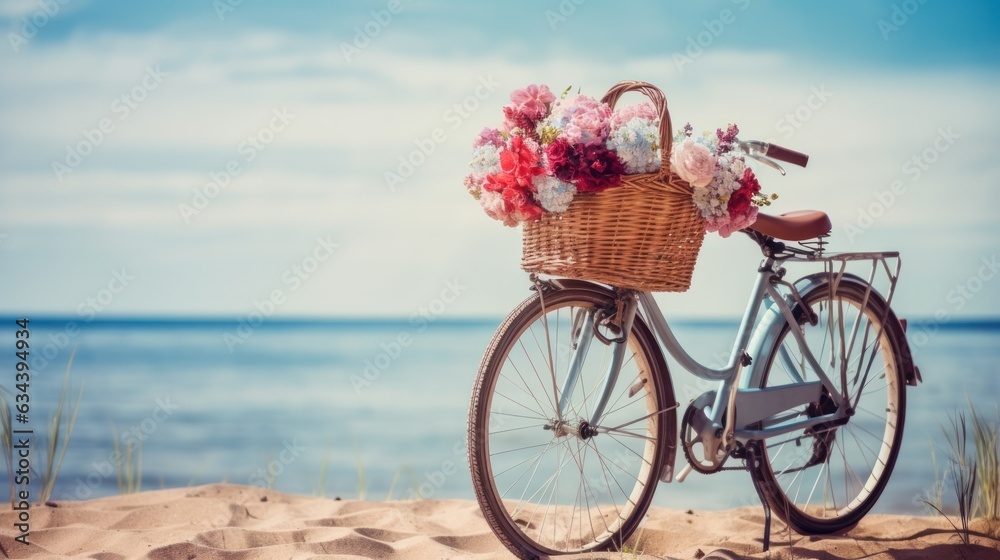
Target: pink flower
527,107
727,138
749,181
488,136
622,115
496,207
693,162
582,120
533,100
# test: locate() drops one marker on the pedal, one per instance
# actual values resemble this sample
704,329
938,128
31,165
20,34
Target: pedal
684,473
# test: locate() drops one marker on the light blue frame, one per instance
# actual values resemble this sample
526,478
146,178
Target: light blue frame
766,314
751,341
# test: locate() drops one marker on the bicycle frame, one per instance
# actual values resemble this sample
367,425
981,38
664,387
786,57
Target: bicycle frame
737,396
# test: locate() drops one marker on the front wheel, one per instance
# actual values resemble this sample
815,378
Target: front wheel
558,482
826,478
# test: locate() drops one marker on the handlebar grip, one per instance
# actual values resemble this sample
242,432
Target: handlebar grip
784,154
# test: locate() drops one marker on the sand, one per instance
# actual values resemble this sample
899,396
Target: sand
225,521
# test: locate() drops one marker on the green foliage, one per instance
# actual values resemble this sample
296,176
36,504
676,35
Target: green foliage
128,466
962,468
60,429
362,483
985,435
7,441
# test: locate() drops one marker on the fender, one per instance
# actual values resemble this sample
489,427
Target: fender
772,322
667,448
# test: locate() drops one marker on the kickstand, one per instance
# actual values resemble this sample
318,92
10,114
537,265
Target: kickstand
753,465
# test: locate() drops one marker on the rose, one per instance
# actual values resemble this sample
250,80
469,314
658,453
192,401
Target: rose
693,162
739,202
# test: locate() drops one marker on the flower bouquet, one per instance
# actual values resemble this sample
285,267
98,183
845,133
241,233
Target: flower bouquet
609,194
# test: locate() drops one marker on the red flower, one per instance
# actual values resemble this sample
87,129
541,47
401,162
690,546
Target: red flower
749,180
521,204
600,168
739,202
518,165
563,160
591,168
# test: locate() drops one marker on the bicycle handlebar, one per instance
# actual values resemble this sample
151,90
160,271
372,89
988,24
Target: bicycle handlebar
775,151
784,154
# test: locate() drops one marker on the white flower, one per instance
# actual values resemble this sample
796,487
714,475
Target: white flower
553,194
485,159
636,143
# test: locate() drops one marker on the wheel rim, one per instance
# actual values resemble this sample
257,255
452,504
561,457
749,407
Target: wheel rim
569,486
831,472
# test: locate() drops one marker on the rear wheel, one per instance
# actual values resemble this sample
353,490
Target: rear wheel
826,478
557,484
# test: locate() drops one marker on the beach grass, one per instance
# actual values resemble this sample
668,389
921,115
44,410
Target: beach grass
362,482
7,440
985,437
128,466
60,430
395,479
962,469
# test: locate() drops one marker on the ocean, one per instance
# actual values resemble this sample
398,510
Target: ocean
372,408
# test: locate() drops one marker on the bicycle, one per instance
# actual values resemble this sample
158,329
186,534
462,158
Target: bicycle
573,419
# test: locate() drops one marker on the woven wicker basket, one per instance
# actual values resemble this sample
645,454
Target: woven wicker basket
644,234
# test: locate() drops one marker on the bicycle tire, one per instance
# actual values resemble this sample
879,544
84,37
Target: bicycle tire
509,523
892,347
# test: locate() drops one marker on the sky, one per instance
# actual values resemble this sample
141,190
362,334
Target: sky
211,158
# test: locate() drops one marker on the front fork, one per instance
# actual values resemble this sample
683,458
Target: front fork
584,330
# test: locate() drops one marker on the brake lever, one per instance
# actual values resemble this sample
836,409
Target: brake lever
754,148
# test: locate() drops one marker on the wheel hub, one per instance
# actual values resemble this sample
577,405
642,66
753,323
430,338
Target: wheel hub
581,429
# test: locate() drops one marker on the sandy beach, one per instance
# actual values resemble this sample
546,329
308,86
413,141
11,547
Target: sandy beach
225,521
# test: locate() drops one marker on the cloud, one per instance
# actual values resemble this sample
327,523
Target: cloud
326,172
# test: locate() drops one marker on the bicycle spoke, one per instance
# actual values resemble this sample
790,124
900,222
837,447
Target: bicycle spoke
853,346
570,487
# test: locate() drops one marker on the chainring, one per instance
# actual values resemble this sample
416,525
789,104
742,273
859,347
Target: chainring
694,419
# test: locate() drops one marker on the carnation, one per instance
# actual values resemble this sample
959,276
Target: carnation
590,168
527,107
495,207
550,150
